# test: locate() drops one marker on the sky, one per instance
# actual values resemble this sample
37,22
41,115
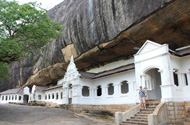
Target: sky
47,4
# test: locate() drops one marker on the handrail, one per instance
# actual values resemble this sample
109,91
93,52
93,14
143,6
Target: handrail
158,117
122,116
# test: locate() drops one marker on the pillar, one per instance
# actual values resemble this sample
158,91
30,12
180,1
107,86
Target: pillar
167,73
117,89
188,78
143,80
91,92
180,78
104,94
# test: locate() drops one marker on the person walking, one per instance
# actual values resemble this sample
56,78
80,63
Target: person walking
142,97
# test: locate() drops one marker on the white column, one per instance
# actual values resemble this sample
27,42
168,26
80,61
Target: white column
117,92
131,87
166,87
117,88
95,91
103,87
143,80
180,78
188,78
167,78
91,92
106,90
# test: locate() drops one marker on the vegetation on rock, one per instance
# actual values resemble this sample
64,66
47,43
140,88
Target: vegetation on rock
23,29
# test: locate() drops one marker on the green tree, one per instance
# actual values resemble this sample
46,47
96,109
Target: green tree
23,29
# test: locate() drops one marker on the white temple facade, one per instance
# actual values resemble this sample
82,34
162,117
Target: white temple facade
17,95
165,75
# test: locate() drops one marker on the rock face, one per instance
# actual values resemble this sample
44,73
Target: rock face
99,31
88,23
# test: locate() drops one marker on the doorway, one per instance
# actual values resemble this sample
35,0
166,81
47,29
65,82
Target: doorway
26,97
153,83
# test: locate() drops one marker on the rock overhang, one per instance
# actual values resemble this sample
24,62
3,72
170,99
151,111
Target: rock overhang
169,24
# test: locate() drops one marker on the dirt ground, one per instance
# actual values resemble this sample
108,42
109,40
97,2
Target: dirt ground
11,114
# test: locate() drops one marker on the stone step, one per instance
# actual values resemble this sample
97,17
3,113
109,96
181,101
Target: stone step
151,106
145,112
136,122
147,109
152,101
127,124
139,120
139,117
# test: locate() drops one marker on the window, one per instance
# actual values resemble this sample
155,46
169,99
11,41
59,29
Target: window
12,97
45,97
2,97
15,97
9,97
57,96
61,95
148,84
6,97
39,97
110,89
70,86
124,87
85,91
175,79
49,96
186,81
99,91
19,97
52,95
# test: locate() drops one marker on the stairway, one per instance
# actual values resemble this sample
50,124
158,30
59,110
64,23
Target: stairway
141,118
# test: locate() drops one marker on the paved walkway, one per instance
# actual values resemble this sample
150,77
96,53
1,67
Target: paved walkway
35,115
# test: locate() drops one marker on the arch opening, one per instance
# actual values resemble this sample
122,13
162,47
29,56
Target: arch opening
124,87
110,89
152,83
85,91
99,91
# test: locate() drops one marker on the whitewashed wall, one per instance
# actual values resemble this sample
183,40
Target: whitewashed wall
46,94
112,65
55,91
150,56
116,98
182,65
11,98
153,55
